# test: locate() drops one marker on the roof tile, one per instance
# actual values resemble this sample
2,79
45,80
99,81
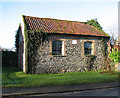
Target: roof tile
61,26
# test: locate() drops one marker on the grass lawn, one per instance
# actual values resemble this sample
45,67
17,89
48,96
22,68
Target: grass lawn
12,78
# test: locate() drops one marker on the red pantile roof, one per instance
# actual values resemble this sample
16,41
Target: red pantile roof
61,26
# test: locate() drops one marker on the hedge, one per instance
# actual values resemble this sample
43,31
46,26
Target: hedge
9,58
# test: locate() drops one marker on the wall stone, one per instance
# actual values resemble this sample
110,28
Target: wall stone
73,61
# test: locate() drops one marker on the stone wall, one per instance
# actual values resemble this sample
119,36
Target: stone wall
73,61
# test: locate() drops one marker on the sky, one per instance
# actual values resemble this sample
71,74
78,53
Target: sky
11,11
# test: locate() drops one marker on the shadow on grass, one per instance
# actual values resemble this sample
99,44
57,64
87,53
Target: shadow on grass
9,76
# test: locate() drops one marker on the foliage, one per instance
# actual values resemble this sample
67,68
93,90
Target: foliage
19,79
33,40
104,47
115,56
94,23
10,69
106,64
17,39
90,61
9,58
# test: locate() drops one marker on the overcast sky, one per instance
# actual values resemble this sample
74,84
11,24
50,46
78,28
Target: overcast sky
106,12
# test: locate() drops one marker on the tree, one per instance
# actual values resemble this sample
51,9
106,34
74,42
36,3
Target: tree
94,23
113,32
17,41
17,38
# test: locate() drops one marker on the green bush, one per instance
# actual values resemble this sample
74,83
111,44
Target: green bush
115,56
9,58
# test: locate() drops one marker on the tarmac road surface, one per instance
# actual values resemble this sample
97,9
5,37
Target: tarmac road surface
100,89
97,92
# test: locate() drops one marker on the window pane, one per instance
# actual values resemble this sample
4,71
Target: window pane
88,44
87,48
56,47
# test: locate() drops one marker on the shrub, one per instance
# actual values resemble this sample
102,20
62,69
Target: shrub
9,58
115,56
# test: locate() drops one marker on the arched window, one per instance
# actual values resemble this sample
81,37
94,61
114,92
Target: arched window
88,48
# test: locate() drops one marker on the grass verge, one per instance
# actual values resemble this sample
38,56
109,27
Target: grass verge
12,78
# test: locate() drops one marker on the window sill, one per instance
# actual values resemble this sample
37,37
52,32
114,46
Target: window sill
59,55
88,55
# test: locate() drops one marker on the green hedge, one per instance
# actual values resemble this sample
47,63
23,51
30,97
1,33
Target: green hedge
9,58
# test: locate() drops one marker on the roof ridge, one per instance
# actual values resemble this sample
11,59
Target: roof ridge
53,19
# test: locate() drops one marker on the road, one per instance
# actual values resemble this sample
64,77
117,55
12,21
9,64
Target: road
98,92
